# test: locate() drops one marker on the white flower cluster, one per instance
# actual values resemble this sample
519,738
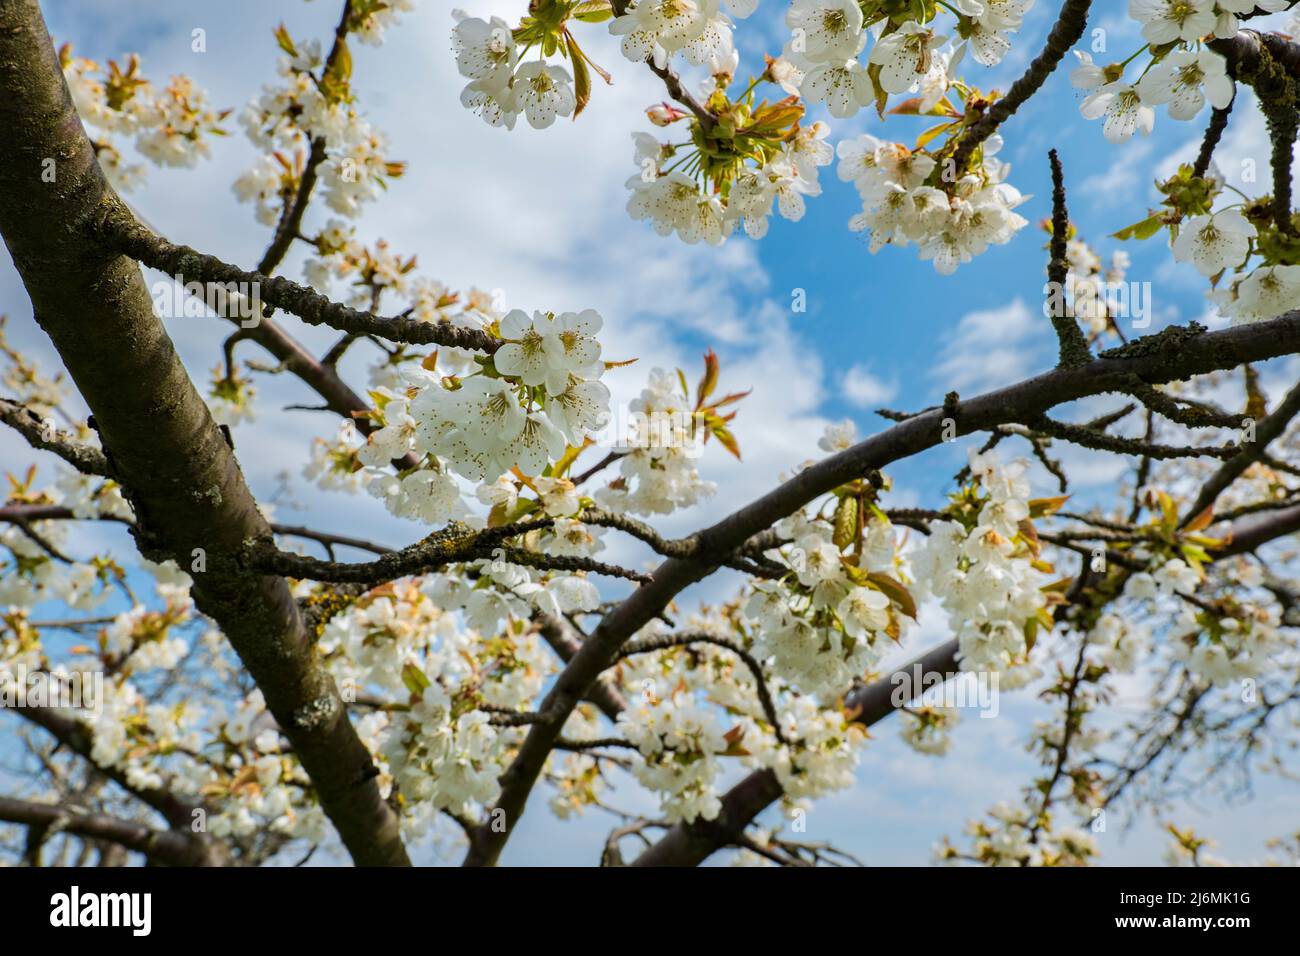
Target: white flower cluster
984,579
1009,839
828,36
287,117
673,201
230,758
1170,21
404,642
1218,649
376,18
785,180
1182,79
334,465
170,127
658,473
1121,642
132,735
678,702
447,761
927,729
508,591
899,208
23,379
825,630
697,29
499,87
1174,576
30,576
824,754
680,741
1264,293
544,396
577,777
368,273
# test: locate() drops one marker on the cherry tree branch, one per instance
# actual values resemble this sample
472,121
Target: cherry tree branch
1269,428
691,844
1213,133
41,433
1073,345
290,224
128,235
70,734
172,461
1270,64
1069,26
1173,354
160,846
672,82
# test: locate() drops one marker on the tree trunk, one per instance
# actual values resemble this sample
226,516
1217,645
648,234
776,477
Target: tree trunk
172,461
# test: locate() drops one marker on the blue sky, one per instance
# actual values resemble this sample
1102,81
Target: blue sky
539,215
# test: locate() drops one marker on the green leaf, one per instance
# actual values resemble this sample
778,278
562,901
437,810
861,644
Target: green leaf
286,42
415,679
894,589
334,84
1031,633
592,11
581,77
846,522
924,139
1143,229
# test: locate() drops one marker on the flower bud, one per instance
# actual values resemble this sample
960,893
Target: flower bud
664,113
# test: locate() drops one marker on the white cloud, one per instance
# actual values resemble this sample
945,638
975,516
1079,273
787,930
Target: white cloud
1127,176
990,348
865,390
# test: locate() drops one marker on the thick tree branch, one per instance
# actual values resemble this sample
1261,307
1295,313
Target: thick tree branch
160,846
1270,64
171,459
565,640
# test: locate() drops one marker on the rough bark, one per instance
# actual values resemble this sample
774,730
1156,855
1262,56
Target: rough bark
175,466
160,846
